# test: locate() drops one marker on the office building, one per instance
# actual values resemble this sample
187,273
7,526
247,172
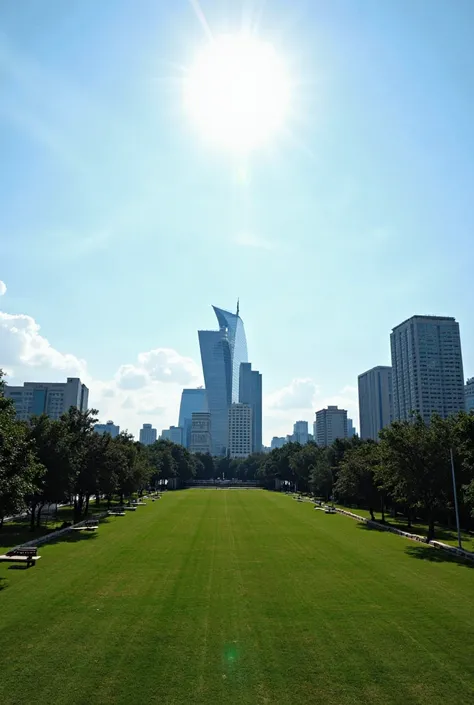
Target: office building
427,369
469,394
351,432
191,400
240,431
315,437
375,401
50,398
147,434
108,427
222,353
331,423
201,432
277,442
300,432
250,392
173,434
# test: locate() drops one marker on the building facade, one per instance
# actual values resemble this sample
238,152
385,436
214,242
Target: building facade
147,434
331,423
240,430
277,442
300,432
108,427
191,400
469,394
351,432
250,392
375,401
427,369
222,353
50,398
173,434
201,432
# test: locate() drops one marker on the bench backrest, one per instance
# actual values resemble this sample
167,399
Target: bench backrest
23,551
92,522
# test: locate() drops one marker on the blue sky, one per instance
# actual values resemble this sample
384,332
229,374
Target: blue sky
119,226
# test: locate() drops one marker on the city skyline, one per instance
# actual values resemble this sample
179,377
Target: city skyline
365,193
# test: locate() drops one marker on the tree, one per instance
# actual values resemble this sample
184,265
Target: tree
205,469
321,478
357,480
415,466
19,467
302,463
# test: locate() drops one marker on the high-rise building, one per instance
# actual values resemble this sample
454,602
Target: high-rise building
300,432
331,423
351,432
147,434
315,436
469,394
277,442
427,370
375,401
191,400
240,430
173,434
222,353
108,427
50,398
201,432
250,392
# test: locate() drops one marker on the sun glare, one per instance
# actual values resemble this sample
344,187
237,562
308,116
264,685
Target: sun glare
237,92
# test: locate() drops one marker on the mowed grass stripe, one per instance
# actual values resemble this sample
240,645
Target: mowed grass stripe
214,596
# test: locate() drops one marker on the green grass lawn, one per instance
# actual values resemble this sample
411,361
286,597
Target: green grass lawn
442,533
236,597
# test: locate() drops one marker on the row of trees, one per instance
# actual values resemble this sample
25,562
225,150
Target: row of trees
409,470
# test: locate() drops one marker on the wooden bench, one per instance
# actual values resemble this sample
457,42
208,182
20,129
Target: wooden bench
23,554
116,512
88,525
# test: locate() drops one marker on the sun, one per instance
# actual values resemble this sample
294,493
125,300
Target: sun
237,92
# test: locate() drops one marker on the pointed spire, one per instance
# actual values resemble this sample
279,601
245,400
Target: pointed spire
237,307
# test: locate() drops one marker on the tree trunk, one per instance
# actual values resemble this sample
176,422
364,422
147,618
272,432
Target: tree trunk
1,522
38,516
121,498
87,504
382,508
431,530
109,499
32,518
97,500
371,513
409,519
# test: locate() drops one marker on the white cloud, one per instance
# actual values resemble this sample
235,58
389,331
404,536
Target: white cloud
3,288
299,400
250,240
22,347
299,394
147,391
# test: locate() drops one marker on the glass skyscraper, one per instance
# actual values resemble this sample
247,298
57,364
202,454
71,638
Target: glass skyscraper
192,400
250,392
222,353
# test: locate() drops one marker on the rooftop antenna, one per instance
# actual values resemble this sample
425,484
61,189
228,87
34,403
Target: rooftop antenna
237,307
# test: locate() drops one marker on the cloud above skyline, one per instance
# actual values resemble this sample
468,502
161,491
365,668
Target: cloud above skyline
3,288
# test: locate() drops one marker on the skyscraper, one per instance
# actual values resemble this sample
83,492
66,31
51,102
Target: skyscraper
173,434
427,369
147,434
108,427
469,394
351,432
222,352
300,432
240,430
250,392
375,401
331,423
191,400
201,432
51,398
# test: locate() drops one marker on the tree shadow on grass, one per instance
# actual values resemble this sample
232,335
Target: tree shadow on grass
372,527
437,555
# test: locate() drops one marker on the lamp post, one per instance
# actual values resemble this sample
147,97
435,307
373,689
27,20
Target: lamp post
455,497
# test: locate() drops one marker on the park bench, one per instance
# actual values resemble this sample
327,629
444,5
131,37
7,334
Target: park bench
130,509
116,512
88,525
23,554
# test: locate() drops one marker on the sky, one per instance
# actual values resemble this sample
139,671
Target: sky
121,224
